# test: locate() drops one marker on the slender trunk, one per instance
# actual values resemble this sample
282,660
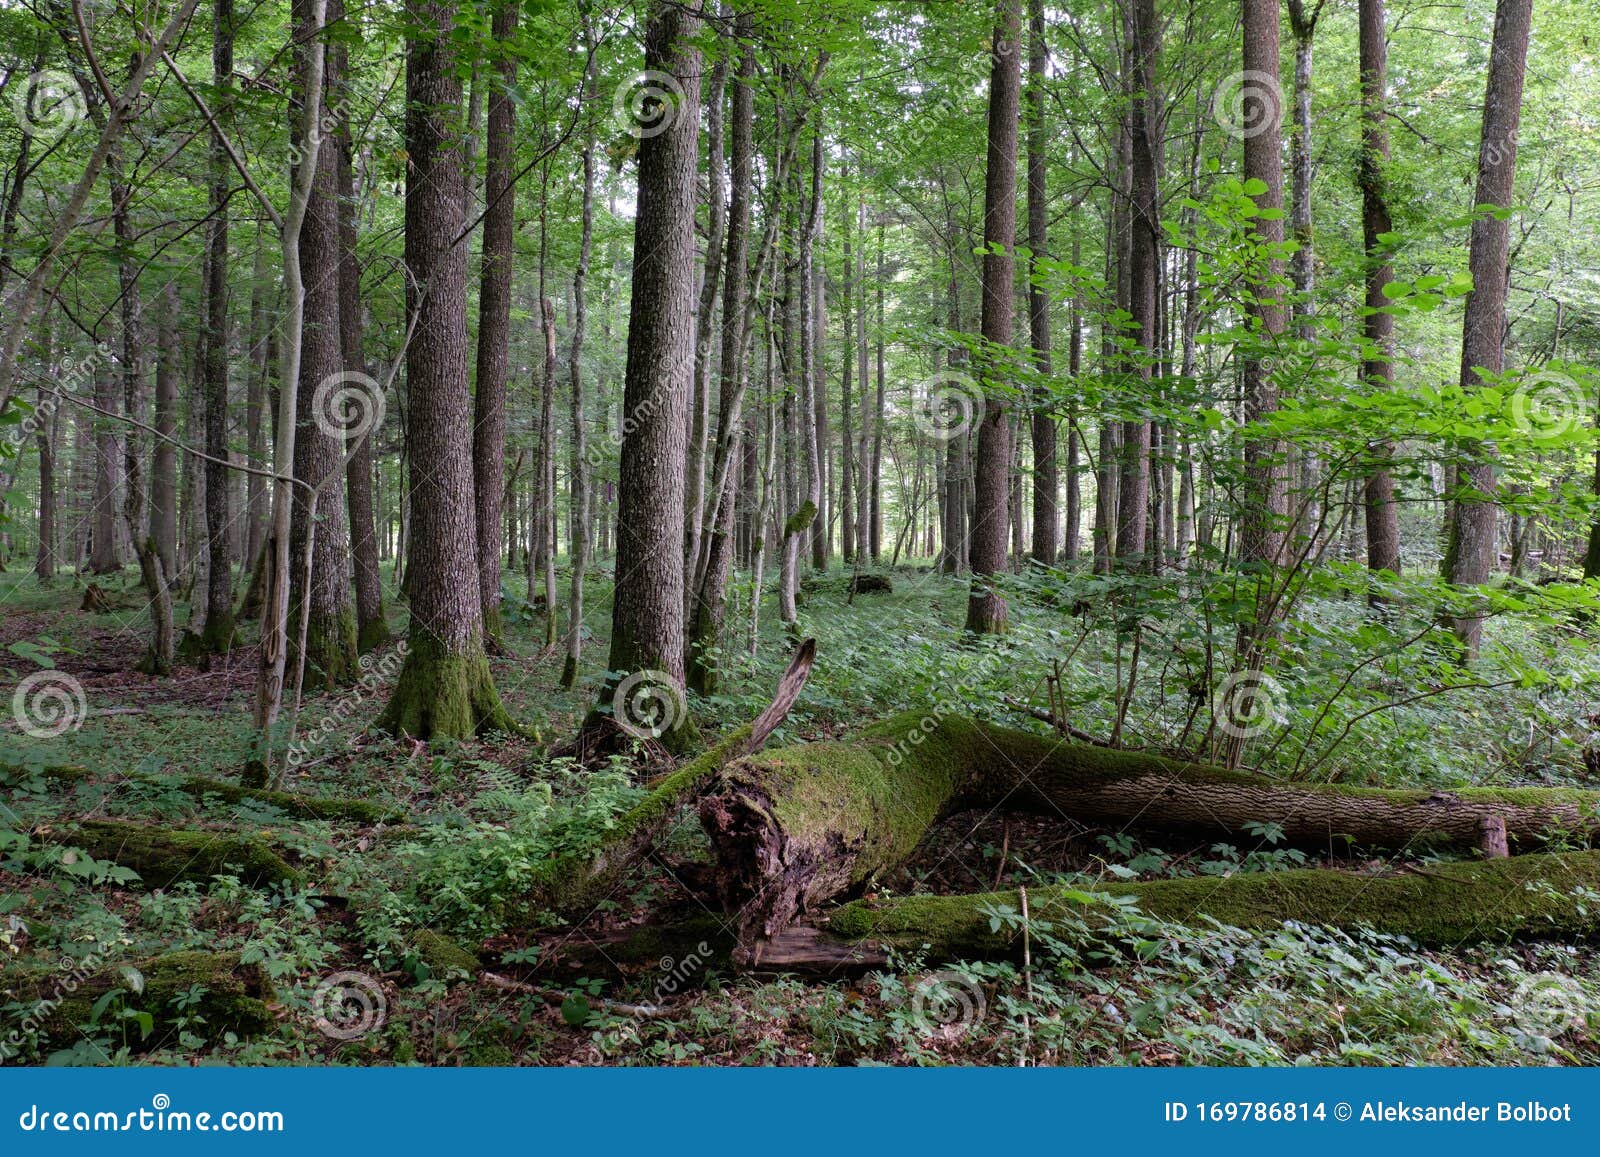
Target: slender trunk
1042,426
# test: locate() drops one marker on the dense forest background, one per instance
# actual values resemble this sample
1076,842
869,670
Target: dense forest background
1135,464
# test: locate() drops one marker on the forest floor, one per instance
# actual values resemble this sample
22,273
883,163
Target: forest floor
482,816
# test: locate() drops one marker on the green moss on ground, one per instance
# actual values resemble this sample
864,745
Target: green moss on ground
166,856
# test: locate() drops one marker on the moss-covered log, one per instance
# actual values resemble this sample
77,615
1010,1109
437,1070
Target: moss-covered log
58,1002
166,856
1531,897
310,807
801,825
575,886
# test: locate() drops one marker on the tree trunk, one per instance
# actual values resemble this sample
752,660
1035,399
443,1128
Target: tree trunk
1377,323
1470,552
647,611
494,321
1046,480
445,687
799,826
986,608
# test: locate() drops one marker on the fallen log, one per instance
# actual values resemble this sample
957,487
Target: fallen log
166,856
296,804
1522,897
798,826
58,1002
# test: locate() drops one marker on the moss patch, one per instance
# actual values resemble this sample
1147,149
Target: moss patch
166,856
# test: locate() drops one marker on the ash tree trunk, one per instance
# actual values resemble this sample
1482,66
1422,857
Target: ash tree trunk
1470,551
986,608
647,612
445,687
1377,323
1046,479
322,626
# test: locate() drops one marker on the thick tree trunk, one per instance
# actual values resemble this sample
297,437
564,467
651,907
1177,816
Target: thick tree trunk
1470,552
445,687
986,608
802,825
647,612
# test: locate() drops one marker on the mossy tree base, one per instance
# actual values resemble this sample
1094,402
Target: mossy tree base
795,827
216,637
330,650
234,998
444,695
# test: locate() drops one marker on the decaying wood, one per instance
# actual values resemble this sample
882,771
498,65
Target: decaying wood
573,887
166,856
797,827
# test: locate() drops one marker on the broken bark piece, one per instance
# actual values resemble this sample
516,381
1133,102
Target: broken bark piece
1492,842
798,826
1538,896
166,856
233,997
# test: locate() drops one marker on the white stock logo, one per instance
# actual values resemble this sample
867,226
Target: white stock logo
648,704
48,104
648,102
1549,405
951,405
348,1005
348,404
1548,1004
49,703
1248,703
1247,104
947,1004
